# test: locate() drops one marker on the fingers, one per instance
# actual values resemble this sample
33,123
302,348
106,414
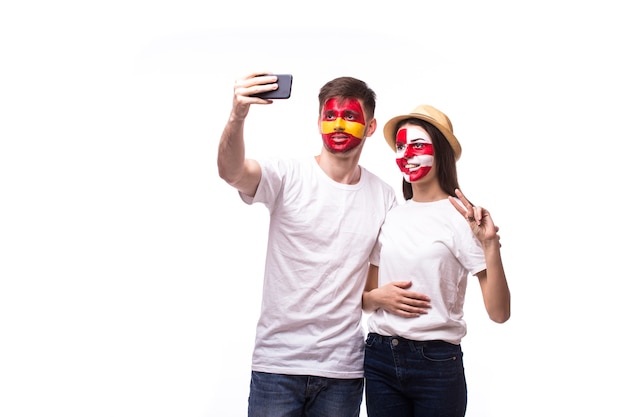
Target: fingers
255,79
478,215
402,284
464,200
473,214
395,299
467,210
411,307
458,207
255,83
410,311
404,294
414,304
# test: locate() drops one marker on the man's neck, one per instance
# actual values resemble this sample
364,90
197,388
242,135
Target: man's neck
343,169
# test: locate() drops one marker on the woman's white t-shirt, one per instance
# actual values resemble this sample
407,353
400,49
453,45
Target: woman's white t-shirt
431,245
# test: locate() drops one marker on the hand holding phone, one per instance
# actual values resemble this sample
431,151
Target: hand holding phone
282,92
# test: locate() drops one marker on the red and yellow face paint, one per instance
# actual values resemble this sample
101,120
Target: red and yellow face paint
342,124
414,152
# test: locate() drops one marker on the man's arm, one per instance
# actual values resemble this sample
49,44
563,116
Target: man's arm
393,297
242,173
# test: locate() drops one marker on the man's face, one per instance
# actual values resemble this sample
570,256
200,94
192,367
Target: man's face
342,124
414,152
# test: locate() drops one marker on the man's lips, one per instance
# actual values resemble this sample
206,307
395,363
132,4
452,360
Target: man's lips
341,140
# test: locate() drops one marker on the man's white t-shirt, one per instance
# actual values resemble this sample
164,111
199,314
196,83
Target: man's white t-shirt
321,234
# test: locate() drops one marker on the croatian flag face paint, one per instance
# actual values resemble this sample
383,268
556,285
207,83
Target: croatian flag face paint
414,152
342,124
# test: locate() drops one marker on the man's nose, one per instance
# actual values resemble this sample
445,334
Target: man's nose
340,124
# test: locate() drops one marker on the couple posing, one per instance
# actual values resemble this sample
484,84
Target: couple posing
340,244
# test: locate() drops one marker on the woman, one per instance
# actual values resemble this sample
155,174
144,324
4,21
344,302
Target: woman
418,276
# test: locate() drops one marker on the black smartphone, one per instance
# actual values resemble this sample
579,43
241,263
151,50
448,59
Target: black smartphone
283,91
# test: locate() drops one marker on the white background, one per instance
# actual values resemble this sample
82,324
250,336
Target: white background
130,274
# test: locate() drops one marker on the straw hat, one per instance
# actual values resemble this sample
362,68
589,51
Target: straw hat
432,116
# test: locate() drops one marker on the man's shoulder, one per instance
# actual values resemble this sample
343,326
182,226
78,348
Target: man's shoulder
374,178
285,162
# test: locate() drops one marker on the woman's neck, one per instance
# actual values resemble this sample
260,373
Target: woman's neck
428,192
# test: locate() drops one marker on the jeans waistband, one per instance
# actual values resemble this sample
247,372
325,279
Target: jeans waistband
399,341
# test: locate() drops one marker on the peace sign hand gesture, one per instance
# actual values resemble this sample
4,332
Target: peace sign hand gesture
478,218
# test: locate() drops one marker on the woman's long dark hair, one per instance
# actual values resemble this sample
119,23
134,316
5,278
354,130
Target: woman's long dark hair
445,163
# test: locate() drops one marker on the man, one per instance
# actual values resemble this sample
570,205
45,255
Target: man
325,215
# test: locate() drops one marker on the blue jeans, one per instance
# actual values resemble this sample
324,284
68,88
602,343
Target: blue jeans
406,378
277,395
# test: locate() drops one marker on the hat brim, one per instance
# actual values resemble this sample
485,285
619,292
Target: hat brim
389,131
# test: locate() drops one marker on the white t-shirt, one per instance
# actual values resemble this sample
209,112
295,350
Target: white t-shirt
431,245
321,235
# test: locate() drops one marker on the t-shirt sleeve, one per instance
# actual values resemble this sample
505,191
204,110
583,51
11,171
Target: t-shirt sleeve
272,174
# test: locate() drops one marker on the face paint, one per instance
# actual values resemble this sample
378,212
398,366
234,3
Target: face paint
414,152
342,124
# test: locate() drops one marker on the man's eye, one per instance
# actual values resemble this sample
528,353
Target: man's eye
330,116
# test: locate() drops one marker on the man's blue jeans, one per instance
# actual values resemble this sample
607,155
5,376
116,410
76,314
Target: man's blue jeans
406,378
277,395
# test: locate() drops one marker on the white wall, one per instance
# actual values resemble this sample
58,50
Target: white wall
130,274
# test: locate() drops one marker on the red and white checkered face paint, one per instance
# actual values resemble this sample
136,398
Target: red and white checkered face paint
414,152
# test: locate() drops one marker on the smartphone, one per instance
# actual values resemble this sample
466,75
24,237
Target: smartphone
283,91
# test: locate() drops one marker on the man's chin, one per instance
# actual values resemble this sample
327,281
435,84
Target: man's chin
340,149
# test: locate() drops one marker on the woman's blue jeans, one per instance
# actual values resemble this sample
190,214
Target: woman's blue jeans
277,395
406,378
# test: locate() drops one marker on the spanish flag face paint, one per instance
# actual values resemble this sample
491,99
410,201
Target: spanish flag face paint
414,152
342,124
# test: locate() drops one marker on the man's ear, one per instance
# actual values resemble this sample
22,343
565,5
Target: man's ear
371,128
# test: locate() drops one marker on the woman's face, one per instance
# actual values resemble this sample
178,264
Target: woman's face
414,152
